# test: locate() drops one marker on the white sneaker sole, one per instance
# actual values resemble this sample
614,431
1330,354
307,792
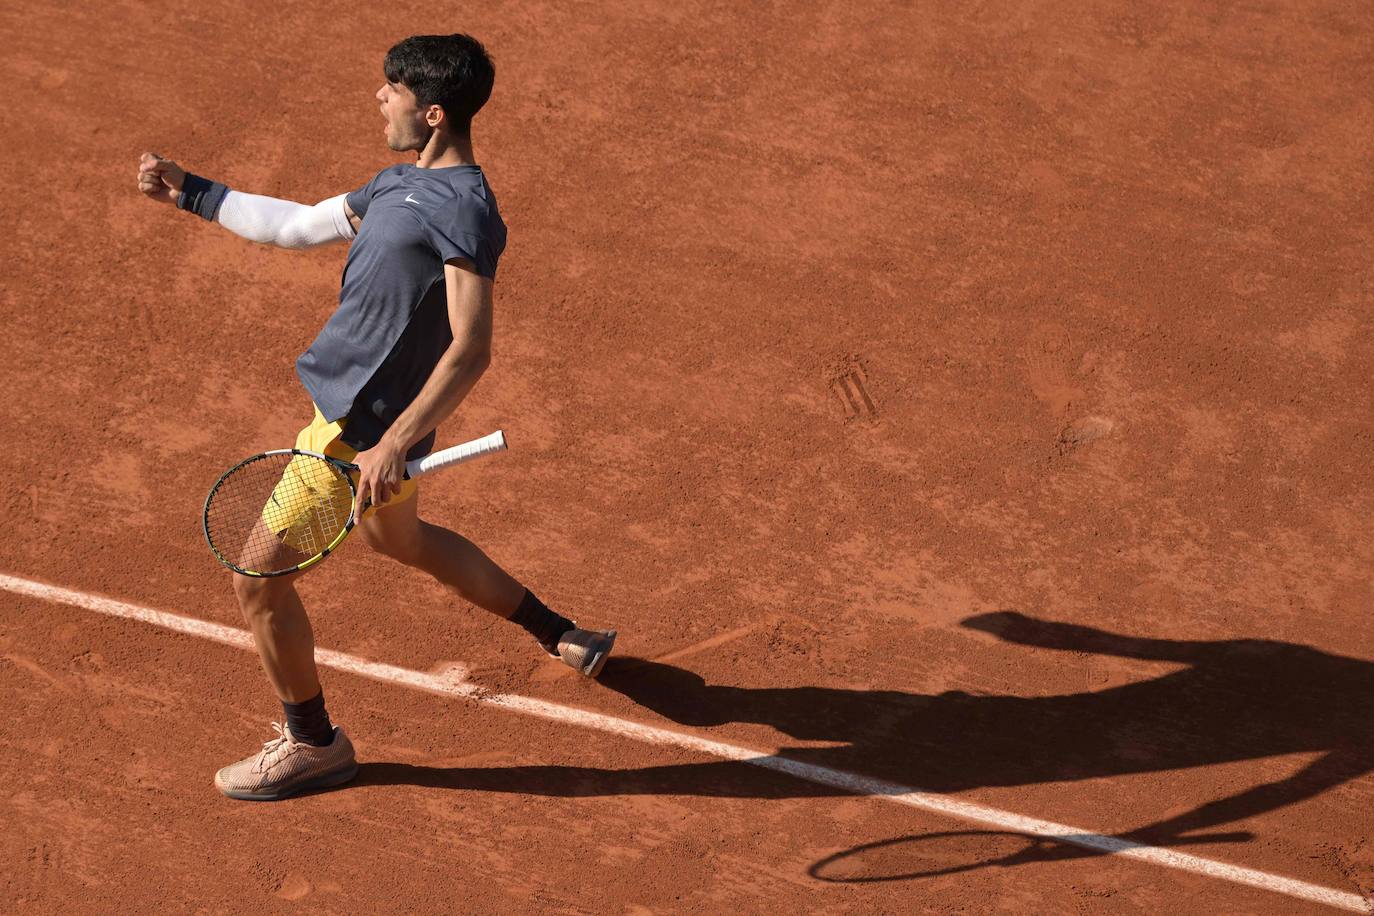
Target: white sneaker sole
323,781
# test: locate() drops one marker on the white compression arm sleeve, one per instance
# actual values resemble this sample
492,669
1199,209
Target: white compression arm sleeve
283,222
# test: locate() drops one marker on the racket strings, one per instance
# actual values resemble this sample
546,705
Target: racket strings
275,512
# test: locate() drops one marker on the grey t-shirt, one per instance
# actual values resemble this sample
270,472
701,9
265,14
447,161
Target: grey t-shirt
378,349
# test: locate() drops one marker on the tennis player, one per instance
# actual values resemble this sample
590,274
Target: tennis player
409,340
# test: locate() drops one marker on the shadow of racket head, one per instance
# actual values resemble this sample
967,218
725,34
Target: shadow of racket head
949,852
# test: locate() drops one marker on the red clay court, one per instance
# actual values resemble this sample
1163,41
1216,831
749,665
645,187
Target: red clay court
962,410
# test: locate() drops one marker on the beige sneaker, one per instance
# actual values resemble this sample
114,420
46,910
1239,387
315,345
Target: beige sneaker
286,766
586,650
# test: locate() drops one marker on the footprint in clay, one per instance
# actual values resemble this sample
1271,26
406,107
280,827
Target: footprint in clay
1083,431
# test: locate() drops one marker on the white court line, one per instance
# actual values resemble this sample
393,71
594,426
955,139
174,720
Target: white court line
452,681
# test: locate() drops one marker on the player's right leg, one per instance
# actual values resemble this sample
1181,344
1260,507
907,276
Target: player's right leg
396,531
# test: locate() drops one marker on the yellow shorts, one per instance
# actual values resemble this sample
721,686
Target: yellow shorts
295,524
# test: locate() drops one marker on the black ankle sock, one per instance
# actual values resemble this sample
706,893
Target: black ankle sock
542,623
309,722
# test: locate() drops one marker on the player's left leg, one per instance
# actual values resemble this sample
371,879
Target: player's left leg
282,635
397,531
309,751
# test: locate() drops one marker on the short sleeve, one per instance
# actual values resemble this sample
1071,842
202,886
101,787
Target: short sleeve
359,200
449,233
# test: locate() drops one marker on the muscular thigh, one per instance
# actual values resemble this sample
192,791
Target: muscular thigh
393,529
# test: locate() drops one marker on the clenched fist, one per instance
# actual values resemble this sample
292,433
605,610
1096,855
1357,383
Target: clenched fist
160,178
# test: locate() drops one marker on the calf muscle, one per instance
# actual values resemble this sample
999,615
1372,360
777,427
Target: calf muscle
462,566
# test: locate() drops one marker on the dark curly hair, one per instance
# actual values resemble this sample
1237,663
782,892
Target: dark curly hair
451,71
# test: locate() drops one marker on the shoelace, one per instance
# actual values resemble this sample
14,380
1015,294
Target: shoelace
274,746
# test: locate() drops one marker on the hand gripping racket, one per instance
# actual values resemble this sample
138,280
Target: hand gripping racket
285,510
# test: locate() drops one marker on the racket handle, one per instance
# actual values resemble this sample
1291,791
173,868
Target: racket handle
496,442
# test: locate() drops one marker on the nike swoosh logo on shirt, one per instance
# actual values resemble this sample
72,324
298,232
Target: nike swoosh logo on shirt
409,200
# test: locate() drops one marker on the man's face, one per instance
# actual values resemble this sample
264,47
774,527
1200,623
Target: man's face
405,123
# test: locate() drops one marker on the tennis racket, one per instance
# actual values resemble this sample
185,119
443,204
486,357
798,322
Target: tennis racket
286,510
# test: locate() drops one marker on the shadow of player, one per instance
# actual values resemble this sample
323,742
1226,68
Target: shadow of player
1228,700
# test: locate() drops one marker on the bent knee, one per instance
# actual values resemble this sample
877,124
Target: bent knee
257,591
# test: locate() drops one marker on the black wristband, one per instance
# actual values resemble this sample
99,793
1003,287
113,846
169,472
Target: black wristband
201,196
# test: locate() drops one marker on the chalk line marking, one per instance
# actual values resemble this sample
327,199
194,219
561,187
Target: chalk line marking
452,681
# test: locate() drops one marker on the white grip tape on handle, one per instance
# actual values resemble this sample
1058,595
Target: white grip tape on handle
496,442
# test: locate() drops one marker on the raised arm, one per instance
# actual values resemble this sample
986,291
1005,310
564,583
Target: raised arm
268,220
1334,768
1047,634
